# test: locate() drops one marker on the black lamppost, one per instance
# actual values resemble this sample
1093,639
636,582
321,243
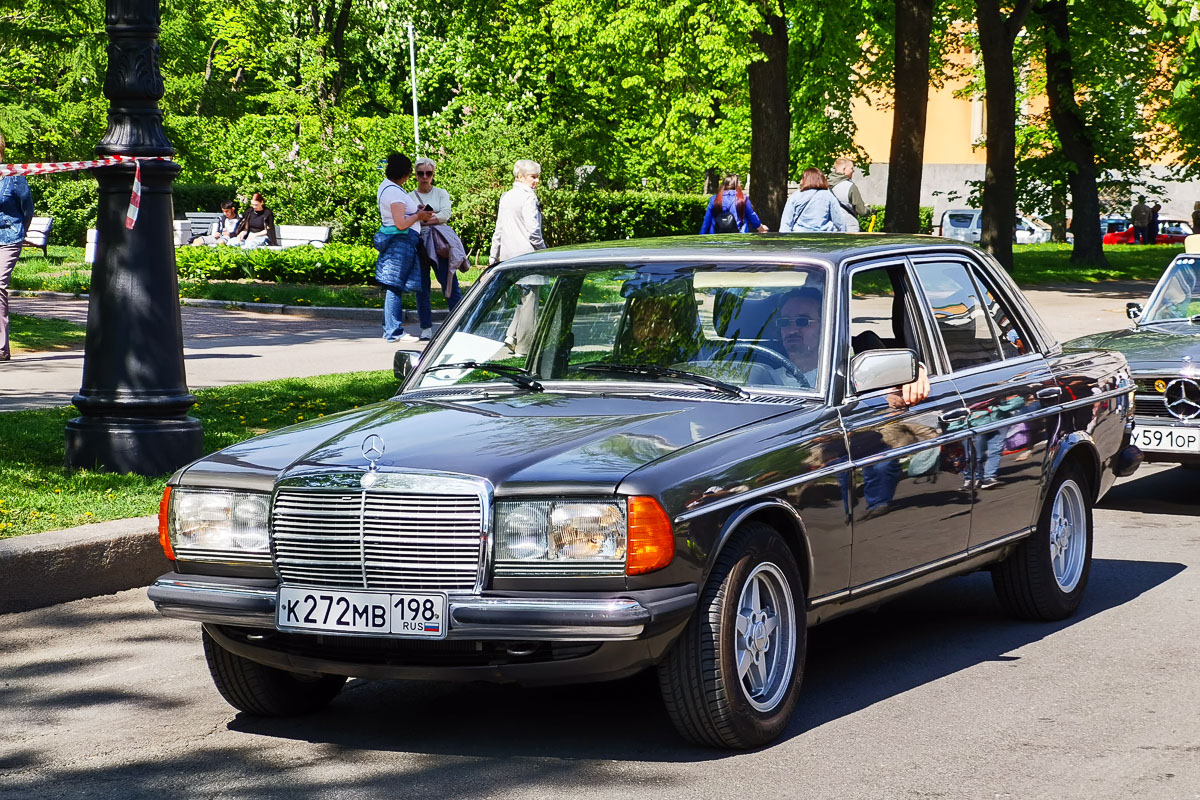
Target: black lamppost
134,398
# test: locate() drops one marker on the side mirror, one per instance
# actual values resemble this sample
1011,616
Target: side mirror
1133,310
882,369
404,362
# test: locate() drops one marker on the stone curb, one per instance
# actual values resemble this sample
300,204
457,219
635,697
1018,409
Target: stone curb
44,569
312,312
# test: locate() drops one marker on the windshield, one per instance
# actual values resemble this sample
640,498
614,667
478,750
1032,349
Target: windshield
723,328
1177,295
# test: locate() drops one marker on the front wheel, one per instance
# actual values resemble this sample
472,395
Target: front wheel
1044,578
733,677
265,691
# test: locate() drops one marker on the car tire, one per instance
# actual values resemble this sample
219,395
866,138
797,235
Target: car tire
752,612
1045,576
265,691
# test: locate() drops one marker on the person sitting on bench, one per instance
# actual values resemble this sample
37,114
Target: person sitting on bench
221,231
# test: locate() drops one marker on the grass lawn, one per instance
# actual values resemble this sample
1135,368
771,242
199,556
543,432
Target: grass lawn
1036,264
38,494
36,333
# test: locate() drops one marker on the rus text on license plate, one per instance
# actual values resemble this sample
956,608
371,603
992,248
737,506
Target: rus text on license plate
403,614
1175,440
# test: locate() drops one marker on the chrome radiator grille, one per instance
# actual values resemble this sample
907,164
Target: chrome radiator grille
377,540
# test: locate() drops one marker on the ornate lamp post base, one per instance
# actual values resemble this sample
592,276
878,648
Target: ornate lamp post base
134,398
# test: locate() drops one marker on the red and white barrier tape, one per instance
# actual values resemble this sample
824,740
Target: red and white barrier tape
46,168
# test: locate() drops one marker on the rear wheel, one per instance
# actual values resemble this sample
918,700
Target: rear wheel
733,677
265,691
1044,578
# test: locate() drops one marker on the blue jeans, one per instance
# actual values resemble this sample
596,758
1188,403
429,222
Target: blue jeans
393,312
880,481
989,447
424,304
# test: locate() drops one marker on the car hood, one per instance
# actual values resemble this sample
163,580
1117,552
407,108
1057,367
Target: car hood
1164,346
521,443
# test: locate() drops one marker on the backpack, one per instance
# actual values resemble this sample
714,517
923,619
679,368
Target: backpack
841,191
724,221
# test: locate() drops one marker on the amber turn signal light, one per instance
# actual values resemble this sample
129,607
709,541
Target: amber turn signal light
651,541
164,528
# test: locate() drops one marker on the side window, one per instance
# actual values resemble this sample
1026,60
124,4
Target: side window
880,311
1013,341
962,319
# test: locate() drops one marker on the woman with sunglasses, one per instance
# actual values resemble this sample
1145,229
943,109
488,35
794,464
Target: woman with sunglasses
438,200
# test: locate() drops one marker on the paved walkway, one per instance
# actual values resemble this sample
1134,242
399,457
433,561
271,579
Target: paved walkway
222,347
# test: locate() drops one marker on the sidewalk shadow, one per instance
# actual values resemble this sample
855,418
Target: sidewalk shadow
1132,290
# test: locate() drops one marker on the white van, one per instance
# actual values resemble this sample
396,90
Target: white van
965,224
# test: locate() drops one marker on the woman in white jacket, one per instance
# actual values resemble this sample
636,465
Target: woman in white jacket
519,216
519,231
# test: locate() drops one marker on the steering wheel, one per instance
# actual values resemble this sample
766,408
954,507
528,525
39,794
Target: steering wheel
758,354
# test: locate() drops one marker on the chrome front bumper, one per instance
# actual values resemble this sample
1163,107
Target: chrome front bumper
251,603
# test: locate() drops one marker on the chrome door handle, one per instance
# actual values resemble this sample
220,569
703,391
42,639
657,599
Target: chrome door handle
954,414
1049,393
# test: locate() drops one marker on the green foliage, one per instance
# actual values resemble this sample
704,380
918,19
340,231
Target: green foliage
924,219
201,196
334,263
71,200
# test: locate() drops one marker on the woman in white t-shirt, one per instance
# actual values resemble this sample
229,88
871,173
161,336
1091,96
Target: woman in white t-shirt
397,269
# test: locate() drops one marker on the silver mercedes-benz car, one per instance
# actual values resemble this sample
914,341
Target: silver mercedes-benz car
1163,349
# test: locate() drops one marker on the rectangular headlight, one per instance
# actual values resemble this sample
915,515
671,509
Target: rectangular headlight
218,525
560,537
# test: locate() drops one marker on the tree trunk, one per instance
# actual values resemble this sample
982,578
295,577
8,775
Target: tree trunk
1073,133
997,35
914,22
770,119
208,71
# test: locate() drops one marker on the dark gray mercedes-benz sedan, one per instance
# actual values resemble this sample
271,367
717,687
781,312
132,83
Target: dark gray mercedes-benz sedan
674,453
1163,350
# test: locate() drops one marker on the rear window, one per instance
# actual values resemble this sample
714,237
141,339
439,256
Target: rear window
961,220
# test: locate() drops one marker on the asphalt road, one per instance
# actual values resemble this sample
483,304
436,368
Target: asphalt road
934,695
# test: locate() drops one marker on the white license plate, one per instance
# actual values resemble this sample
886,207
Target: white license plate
1163,439
420,615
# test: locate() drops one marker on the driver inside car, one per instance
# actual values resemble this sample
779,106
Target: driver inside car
799,324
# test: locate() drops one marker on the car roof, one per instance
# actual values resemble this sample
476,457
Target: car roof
828,248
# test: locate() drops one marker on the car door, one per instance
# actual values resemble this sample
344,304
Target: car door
1006,384
905,494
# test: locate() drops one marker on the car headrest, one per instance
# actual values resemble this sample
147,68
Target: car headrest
738,317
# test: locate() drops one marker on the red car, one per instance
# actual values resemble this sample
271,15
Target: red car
1170,231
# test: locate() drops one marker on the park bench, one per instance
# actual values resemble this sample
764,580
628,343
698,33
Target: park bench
297,235
200,222
188,229
38,234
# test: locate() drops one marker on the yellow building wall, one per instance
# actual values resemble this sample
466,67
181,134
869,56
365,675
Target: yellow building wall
953,124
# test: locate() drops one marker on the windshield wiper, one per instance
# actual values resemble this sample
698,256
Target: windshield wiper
666,372
516,375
